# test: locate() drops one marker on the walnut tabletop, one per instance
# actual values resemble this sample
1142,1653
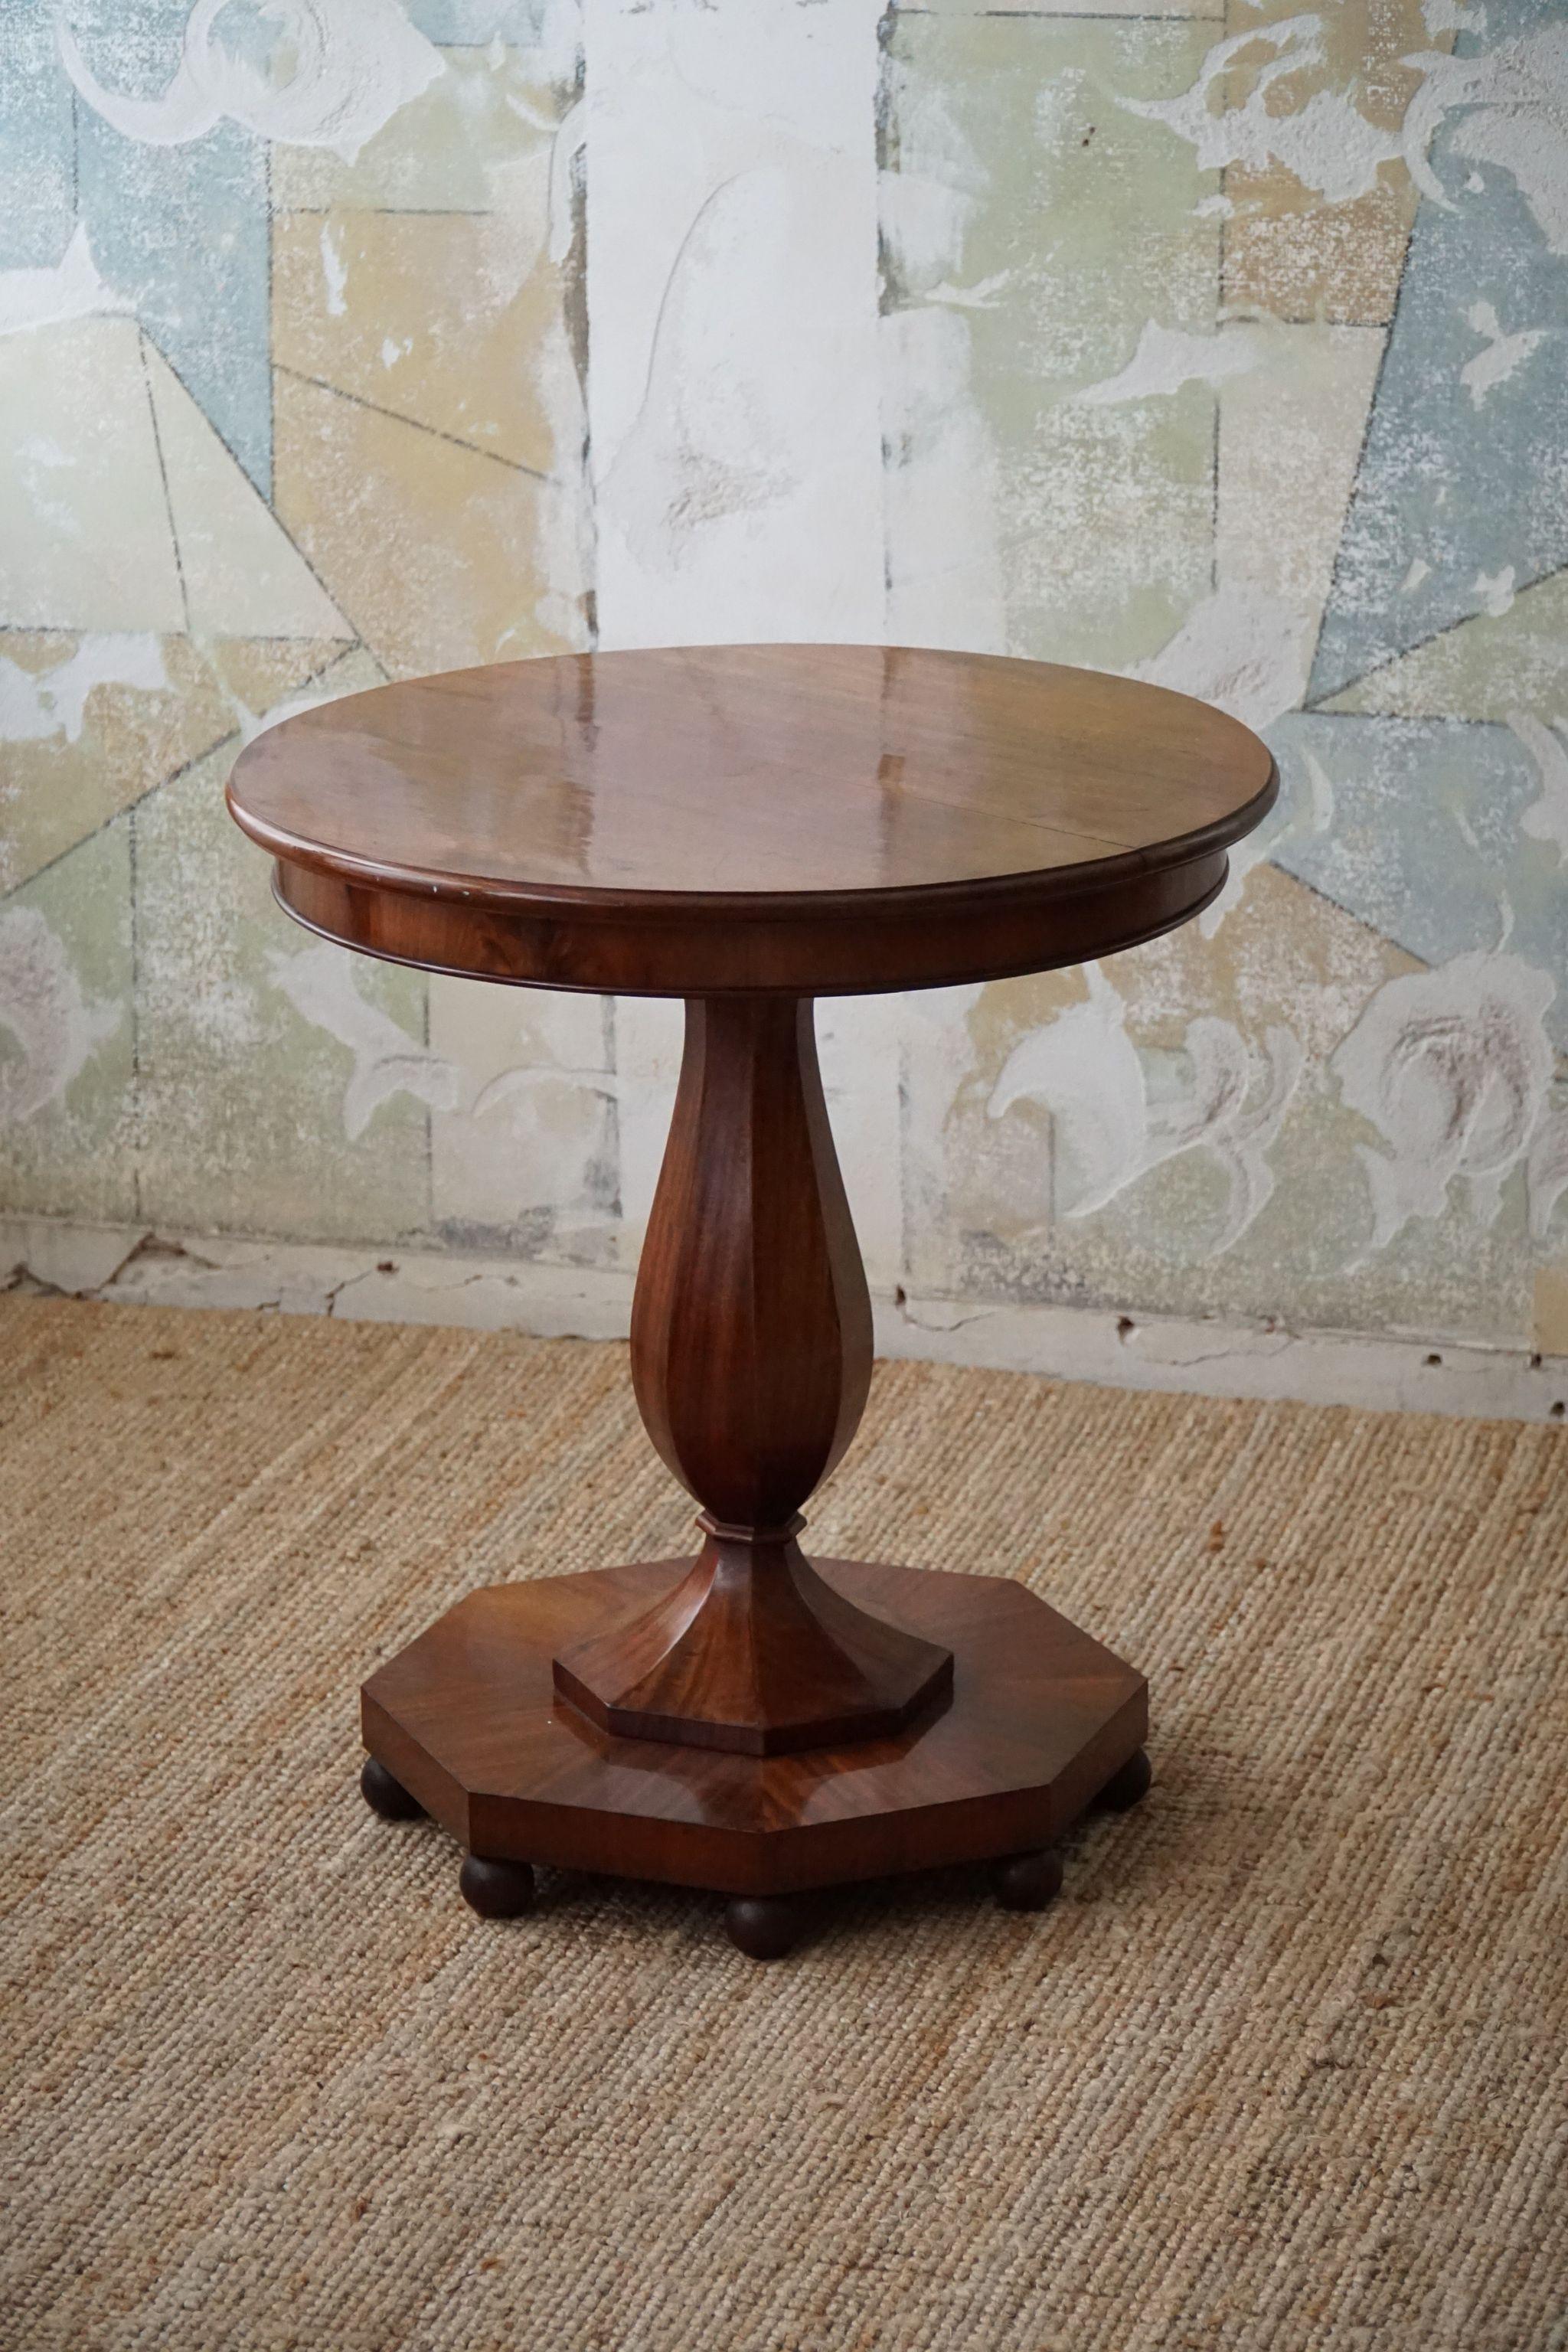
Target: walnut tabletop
814,819
749,827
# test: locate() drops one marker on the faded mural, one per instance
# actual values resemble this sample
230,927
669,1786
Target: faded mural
1220,344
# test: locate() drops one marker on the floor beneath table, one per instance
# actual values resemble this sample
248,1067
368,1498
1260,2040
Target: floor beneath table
1283,2067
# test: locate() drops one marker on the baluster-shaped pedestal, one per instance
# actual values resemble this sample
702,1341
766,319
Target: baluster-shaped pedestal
752,1358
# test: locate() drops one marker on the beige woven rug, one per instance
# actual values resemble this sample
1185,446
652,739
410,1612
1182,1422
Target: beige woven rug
1286,2066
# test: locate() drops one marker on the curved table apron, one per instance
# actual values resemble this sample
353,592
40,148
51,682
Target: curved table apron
749,827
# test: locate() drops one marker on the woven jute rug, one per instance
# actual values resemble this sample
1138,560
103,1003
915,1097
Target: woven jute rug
1286,2064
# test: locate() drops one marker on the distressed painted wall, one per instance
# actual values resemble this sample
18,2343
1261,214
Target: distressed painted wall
1222,344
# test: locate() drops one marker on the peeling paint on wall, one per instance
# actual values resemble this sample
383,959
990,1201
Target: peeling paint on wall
1108,1130
53,1026
1452,1068
37,704
320,985
1513,103
1328,143
731,295
342,340
1501,353
1247,652
1166,359
1547,818
70,287
333,73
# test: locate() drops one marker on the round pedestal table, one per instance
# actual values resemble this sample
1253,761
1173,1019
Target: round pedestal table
749,828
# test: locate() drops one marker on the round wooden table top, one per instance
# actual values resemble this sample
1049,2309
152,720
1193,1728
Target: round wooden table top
820,820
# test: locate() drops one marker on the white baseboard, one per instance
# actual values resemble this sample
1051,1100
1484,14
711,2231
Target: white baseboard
136,1265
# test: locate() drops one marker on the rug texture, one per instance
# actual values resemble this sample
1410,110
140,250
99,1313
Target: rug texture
1286,2066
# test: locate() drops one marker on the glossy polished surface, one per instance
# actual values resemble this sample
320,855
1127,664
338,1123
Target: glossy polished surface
751,1360
1041,1716
793,820
747,769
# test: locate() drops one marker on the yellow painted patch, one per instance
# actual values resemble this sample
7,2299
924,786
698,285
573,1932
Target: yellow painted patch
241,577
437,554
445,318
56,790
1287,250
261,671
1284,954
1551,1310
460,145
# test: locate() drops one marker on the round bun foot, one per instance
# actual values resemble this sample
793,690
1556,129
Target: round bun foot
1123,1789
386,1796
763,1926
1027,1882
495,1890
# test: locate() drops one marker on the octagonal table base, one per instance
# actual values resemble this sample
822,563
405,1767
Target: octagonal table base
468,1725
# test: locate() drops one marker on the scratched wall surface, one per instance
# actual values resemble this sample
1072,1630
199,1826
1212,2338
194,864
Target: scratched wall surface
1218,344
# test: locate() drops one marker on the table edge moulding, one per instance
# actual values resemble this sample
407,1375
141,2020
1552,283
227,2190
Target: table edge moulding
750,1720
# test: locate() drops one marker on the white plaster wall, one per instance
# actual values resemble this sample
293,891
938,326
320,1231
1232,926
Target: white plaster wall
735,426
734,393
1091,335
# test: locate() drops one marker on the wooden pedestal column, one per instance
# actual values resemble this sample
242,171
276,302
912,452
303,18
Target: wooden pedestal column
752,1358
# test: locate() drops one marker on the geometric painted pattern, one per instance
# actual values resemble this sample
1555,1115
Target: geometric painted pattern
1214,343
285,353
1429,842
1461,498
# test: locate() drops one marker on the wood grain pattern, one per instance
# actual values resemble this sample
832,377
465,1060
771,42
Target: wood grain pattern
1040,1717
751,1327
912,939
818,819
751,1359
